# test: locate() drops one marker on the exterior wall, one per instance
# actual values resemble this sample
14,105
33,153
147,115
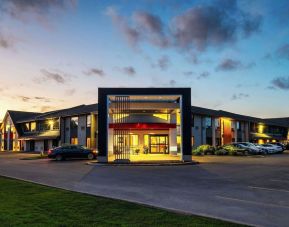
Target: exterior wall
39,145
197,131
9,136
81,130
67,130
62,130
93,132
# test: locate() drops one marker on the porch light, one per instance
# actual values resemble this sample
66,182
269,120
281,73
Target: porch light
51,122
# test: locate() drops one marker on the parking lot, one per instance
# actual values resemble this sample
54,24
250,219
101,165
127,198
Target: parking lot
246,189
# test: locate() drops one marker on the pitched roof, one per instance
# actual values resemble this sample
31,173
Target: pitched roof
204,111
73,111
77,110
17,116
281,121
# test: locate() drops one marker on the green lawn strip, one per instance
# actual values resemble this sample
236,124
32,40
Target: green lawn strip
28,204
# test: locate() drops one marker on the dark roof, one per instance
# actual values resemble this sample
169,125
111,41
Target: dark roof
239,116
21,115
281,121
222,113
204,111
73,111
17,116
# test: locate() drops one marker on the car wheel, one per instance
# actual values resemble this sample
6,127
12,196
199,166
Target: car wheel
90,156
59,157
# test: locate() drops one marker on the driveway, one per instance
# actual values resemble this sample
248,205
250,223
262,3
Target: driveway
251,190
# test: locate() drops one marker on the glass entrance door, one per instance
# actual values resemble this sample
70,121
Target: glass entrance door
159,144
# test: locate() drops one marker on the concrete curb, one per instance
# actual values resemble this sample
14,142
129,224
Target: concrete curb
95,163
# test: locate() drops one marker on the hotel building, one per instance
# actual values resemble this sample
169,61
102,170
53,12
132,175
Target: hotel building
135,124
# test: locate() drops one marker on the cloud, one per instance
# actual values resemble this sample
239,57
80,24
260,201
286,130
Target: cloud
131,34
151,27
229,64
95,71
129,70
251,24
6,42
70,91
199,27
203,75
283,51
281,83
34,9
188,73
164,62
46,108
33,99
239,96
172,83
202,26
57,77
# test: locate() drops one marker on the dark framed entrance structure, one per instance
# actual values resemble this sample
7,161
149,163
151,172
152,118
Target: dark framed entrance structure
125,111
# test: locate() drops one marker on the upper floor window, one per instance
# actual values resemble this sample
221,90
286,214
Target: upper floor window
88,121
217,123
55,125
33,126
74,122
238,125
208,122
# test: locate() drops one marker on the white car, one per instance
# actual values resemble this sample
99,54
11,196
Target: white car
250,147
272,149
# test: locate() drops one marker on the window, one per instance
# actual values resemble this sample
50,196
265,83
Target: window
26,127
33,126
88,121
55,125
74,141
238,125
208,122
74,122
217,123
44,126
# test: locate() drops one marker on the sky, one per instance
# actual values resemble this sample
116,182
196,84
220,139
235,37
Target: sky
234,55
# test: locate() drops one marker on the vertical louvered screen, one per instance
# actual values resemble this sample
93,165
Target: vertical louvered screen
121,135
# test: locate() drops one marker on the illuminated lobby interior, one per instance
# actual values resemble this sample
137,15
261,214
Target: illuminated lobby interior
144,128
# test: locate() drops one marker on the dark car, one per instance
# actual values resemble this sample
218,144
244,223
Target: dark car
71,152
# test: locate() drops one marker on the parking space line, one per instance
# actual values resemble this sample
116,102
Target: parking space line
252,202
269,189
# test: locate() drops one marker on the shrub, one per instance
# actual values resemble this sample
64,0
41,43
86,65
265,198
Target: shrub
203,149
221,152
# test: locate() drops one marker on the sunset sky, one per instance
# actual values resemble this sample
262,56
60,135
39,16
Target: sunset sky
233,54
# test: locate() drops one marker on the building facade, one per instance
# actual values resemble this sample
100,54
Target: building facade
137,124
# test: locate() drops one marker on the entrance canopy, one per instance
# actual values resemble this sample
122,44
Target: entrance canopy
137,123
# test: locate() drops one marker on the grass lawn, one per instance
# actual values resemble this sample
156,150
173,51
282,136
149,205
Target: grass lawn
29,204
